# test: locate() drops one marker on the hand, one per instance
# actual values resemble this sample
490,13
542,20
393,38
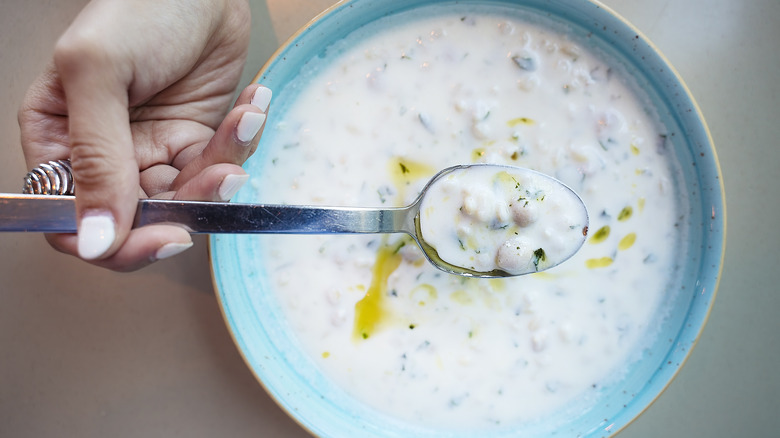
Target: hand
136,97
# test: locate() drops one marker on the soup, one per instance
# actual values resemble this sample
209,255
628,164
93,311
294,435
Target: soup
371,120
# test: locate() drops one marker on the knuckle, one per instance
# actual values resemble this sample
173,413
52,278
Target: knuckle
94,167
79,48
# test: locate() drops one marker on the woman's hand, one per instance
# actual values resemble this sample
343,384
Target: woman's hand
136,97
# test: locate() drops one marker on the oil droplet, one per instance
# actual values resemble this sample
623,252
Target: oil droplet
640,203
627,241
498,284
405,171
371,311
423,294
461,297
634,149
325,354
520,121
602,262
600,235
625,214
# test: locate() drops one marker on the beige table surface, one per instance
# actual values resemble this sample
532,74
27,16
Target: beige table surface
90,353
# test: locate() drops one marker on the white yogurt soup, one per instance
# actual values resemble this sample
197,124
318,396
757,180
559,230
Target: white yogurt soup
501,220
372,120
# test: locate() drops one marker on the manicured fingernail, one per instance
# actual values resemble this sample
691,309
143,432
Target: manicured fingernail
249,126
97,232
171,249
262,98
230,185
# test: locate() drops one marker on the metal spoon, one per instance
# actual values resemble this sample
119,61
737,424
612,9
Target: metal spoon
57,214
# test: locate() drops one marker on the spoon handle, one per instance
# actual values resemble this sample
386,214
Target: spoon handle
57,214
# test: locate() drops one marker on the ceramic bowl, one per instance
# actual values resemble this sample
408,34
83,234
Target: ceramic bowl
260,331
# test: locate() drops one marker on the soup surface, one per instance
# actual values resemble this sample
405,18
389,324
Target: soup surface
371,121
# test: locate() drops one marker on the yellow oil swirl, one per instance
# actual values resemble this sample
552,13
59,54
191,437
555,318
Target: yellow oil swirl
601,262
520,121
627,241
371,311
600,235
625,214
403,172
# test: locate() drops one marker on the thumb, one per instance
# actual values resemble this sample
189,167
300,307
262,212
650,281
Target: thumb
102,154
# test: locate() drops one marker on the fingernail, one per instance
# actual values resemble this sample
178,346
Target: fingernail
96,234
262,98
249,126
230,185
171,249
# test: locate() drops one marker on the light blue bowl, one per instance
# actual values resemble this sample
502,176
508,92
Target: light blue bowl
290,377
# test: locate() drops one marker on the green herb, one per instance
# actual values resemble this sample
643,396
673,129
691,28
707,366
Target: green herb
404,169
539,256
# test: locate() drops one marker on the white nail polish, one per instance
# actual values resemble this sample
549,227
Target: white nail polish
171,249
96,234
262,98
249,126
230,185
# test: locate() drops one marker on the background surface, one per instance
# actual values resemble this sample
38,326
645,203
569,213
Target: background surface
91,353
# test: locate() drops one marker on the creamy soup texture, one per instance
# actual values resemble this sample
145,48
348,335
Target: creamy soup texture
372,121
501,219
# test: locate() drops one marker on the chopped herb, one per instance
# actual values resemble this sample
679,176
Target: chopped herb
404,169
539,256
411,326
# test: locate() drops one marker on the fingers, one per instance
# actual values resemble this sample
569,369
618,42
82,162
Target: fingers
143,246
42,120
219,182
236,137
102,153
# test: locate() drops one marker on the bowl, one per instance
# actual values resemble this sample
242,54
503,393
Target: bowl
273,353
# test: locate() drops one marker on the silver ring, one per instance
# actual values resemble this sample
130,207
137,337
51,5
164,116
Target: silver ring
52,178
